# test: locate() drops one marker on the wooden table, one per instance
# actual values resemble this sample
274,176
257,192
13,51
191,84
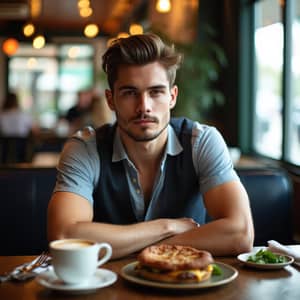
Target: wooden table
251,284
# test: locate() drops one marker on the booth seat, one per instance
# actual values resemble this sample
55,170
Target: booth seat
24,197
25,193
271,199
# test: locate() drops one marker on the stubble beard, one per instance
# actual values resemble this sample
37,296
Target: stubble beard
142,137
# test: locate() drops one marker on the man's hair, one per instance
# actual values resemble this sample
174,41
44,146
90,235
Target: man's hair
140,49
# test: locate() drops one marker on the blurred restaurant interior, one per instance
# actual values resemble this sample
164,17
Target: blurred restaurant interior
241,73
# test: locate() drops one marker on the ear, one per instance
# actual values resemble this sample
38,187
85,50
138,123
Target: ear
109,99
174,93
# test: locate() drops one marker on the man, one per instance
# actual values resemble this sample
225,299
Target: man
142,180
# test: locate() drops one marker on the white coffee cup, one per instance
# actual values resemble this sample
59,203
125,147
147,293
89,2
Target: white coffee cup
75,261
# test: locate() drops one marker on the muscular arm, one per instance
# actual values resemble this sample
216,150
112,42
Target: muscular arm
231,232
70,216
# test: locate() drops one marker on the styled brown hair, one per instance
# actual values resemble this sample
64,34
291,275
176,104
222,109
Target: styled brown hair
140,49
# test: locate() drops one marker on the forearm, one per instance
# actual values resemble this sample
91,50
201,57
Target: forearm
220,237
124,239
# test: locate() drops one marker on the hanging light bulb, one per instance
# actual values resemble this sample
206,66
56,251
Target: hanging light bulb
85,12
83,3
91,30
28,29
163,6
10,46
38,42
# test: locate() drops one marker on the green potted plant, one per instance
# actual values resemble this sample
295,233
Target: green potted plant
197,79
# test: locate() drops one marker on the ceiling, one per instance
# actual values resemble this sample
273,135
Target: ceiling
59,17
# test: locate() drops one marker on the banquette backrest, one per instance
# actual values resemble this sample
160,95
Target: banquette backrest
271,198
25,193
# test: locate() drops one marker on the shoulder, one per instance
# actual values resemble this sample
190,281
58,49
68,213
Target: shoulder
202,132
82,143
79,167
186,125
86,134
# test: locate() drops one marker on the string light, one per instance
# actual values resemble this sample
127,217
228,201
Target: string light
84,7
35,8
91,30
28,29
38,42
10,46
85,12
163,6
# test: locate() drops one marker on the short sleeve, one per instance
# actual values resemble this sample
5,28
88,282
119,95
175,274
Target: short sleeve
211,158
78,168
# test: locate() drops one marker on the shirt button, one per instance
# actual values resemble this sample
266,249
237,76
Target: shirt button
134,180
138,191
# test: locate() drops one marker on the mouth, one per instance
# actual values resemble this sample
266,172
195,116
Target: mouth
144,121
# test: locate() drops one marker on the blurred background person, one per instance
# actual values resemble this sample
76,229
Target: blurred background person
77,114
16,129
90,110
13,120
100,113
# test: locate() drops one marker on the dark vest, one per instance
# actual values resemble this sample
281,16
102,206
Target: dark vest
180,196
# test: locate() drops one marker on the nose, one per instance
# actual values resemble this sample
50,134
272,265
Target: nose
144,103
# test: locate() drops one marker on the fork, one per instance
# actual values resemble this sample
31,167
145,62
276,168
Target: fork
38,262
26,271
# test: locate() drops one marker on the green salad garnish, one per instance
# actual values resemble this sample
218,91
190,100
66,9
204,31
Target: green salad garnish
216,270
266,257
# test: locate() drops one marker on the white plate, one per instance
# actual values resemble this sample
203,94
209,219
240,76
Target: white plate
228,274
244,257
102,278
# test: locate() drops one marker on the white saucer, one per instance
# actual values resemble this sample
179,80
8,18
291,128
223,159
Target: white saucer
102,278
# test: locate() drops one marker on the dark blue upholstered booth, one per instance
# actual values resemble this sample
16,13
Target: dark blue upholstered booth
25,192
271,195
24,197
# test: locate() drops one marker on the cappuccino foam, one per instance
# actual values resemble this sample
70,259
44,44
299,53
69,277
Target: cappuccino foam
72,245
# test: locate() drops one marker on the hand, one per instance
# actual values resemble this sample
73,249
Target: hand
183,224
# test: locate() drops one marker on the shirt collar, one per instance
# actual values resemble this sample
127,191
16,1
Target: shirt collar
173,145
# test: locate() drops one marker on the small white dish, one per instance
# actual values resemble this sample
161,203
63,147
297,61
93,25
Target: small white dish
229,273
101,278
244,259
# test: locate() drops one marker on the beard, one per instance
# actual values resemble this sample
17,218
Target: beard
145,135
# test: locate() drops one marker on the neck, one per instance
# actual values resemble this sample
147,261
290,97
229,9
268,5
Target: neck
145,154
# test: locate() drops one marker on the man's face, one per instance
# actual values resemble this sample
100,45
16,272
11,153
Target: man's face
142,100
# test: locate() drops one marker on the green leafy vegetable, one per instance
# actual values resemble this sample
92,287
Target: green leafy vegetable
216,270
266,257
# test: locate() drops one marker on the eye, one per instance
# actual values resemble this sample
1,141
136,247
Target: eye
128,93
157,92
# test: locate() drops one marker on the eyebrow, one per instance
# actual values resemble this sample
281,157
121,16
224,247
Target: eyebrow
131,87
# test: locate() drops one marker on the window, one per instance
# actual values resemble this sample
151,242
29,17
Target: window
268,42
47,80
276,126
293,127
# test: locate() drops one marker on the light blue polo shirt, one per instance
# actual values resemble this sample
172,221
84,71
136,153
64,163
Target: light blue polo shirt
79,165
